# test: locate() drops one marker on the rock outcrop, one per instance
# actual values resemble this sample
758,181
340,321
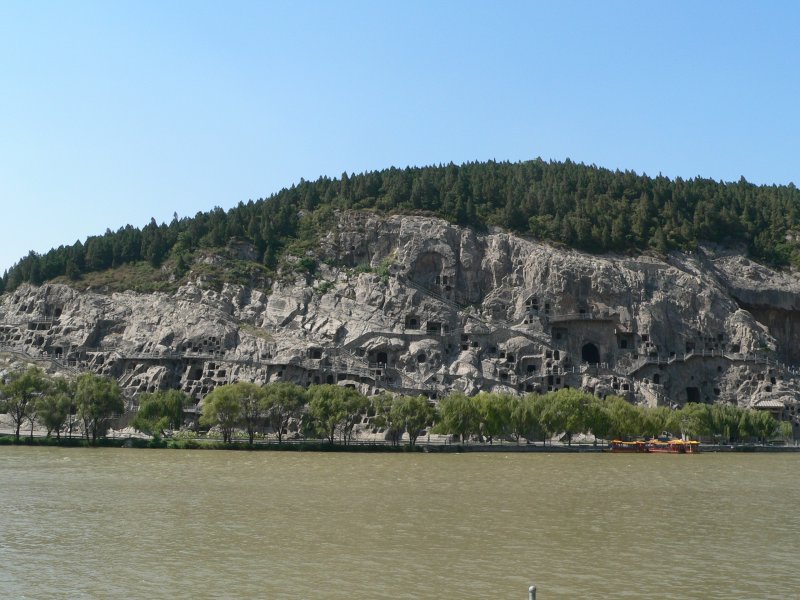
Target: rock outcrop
418,305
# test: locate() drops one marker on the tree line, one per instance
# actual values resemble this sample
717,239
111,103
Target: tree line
585,207
90,401
333,413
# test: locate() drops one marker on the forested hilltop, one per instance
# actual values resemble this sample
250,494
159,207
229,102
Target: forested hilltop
585,207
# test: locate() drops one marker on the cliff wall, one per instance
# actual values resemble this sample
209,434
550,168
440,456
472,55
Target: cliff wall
418,305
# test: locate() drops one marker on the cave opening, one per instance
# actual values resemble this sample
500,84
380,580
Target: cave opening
590,354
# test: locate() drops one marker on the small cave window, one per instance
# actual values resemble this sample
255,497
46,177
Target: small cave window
433,327
421,358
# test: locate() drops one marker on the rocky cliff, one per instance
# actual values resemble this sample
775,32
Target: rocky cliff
418,305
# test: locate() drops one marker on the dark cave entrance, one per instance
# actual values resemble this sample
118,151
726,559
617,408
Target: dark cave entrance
590,354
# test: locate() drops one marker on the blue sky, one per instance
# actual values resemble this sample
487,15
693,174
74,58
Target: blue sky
119,112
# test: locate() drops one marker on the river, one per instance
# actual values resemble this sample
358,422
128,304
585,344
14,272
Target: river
126,523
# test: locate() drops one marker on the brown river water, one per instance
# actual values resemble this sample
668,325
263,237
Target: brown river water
125,523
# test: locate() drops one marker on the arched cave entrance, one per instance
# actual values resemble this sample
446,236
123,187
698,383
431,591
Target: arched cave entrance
590,354
381,358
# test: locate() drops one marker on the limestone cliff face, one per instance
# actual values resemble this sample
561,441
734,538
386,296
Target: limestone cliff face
417,305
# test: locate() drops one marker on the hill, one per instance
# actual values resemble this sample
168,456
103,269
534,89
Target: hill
584,207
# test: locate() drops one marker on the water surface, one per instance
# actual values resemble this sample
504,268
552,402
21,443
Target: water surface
117,523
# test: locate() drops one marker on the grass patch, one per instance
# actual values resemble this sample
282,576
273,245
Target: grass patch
137,277
251,329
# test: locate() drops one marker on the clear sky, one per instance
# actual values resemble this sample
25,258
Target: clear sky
116,112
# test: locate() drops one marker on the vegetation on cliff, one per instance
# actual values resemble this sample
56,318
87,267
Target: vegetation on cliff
585,207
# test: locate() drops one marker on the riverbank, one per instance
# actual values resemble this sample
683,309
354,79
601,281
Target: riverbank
355,446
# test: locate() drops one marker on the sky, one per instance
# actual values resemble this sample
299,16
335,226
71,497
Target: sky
115,113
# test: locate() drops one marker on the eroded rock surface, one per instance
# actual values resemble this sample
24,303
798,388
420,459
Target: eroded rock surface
417,305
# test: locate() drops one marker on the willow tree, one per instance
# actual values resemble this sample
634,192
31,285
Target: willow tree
97,399
19,394
160,411
283,402
231,406
54,407
334,409
459,416
412,413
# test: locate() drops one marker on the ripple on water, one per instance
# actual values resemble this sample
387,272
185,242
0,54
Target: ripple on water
128,523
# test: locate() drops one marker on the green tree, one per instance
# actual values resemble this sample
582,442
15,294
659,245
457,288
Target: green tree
786,431
19,395
383,417
522,420
763,425
598,421
54,407
355,406
538,405
566,411
725,419
696,420
325,410
659,419
334,409
97,399
254,406
413,414
625,419
222,408
283,401
160,411
458,416
494,411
